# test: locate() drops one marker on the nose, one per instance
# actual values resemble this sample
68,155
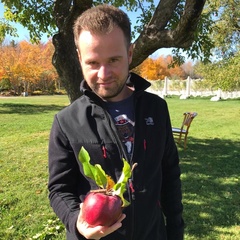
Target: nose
104,71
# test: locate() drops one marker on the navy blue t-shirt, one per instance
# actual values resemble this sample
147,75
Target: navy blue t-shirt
122,113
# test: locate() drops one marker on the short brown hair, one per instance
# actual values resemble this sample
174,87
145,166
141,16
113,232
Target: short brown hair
101,20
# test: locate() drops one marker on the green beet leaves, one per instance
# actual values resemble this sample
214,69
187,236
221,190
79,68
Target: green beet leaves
120,187
97,174
94,172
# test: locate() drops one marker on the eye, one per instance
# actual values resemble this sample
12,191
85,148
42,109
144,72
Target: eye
113,60
92,63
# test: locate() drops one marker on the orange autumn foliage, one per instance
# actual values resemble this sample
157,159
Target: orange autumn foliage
27,65
159,69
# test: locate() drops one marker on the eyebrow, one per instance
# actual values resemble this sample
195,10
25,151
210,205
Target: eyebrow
94,59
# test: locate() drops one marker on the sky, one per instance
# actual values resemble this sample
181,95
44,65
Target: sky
21,31
24,35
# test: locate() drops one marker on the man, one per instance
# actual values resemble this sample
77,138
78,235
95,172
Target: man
114,119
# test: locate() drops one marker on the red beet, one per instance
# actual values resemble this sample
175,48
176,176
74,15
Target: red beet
101,209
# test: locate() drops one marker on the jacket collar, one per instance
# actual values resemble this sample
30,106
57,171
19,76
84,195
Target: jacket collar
135,81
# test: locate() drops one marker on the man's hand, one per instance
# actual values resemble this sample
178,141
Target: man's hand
97,232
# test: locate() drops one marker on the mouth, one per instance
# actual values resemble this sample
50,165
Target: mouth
105,84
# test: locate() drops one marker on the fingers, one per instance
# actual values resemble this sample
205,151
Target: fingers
104,231
115,226
97,232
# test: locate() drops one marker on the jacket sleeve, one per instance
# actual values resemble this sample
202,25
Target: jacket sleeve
63,179
171,196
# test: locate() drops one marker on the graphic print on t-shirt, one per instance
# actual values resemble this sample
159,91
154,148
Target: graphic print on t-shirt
125,129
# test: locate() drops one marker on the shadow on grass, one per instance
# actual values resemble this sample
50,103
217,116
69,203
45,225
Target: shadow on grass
210,179
28,109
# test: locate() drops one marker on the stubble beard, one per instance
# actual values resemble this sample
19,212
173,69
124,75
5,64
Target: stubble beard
107,93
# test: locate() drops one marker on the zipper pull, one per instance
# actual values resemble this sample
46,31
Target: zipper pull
132,190
104,150
130,182
145,144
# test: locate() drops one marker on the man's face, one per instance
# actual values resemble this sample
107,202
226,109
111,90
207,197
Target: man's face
105,60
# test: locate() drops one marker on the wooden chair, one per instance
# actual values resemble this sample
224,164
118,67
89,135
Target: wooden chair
178,133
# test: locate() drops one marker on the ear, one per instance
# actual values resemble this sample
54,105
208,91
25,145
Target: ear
130,53
79,56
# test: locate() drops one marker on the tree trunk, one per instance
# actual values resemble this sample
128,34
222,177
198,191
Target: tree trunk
65,58
66,62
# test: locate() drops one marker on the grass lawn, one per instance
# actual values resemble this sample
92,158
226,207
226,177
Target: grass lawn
210,168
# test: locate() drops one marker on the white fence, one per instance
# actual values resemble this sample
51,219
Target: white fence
187,88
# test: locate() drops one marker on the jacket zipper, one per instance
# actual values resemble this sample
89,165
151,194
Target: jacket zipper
124,154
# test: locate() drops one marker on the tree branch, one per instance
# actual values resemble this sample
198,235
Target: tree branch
156,35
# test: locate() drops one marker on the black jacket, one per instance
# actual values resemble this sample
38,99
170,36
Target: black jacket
156,179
